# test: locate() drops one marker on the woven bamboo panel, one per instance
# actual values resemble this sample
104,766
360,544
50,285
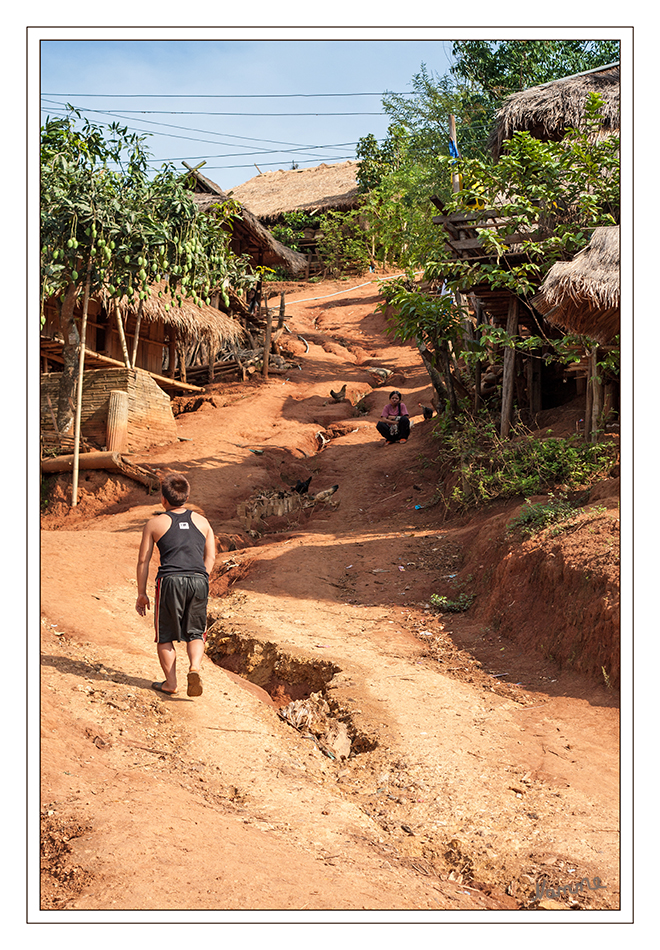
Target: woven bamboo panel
150,416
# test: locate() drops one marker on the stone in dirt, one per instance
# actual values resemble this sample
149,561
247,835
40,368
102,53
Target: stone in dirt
312,717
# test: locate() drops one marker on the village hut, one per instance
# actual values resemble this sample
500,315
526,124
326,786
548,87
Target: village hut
549,110
315,190
249,236
139,350
582,296
146,336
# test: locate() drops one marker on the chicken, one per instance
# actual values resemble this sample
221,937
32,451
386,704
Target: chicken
339,397
302,487
324,495
427,410
380,374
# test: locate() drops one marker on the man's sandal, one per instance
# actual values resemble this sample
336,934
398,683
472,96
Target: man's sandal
194,683
160,688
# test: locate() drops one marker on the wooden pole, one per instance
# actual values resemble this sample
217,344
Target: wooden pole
79,391
267,336
455,178
508,377
589,402
211,353
477,366
597,404
172,352
534,390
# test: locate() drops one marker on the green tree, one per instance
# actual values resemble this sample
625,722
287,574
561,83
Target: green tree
402,174
119,231
498,68
550,195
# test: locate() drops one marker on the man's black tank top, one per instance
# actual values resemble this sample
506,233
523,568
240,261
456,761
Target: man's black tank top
181,547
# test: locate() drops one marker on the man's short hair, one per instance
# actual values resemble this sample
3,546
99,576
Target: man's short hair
175,489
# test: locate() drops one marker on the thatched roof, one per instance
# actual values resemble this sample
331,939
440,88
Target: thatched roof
583,295
192,323
322,188
247,228
547,111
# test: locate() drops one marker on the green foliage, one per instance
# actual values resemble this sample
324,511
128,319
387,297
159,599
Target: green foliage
425,116
343,245
123,230
534,517
422,316
291,231
462,603
491,467
400,175
500,67
553,193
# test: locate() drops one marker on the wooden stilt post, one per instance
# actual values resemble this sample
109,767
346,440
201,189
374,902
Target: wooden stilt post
597,398
477,366
534,385
267,336
172,353
508,377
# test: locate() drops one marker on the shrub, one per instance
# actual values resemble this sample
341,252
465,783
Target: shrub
534,517
492,467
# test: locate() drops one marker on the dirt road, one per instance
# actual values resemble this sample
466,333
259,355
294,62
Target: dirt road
482,776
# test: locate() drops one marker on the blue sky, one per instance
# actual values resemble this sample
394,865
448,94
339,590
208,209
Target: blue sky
282,94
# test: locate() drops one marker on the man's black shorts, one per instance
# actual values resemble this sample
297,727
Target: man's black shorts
180,608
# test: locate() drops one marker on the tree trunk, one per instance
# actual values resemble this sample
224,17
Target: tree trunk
137,333
449,381
436,378
70,356
122,336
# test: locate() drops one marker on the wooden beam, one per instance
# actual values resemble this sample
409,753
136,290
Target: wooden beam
473,244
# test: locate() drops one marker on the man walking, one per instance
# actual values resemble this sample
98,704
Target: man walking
187,553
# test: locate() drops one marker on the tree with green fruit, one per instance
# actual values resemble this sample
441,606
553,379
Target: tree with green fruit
109,226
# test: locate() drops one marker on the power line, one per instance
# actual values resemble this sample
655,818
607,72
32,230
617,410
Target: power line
263,151
168,125
243,115
270,95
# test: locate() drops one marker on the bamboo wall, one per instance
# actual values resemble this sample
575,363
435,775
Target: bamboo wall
103,336
150,416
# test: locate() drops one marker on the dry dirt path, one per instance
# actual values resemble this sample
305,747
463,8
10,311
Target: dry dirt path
462,793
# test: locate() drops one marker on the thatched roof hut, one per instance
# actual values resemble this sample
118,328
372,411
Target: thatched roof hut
547,111
323,188
159,331
248,234
191,322
583,295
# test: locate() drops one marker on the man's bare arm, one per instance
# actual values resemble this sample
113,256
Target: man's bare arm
144,558
209,550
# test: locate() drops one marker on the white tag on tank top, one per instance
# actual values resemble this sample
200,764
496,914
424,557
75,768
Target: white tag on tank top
184,525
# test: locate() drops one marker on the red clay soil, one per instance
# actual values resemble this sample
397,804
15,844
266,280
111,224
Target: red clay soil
484,771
